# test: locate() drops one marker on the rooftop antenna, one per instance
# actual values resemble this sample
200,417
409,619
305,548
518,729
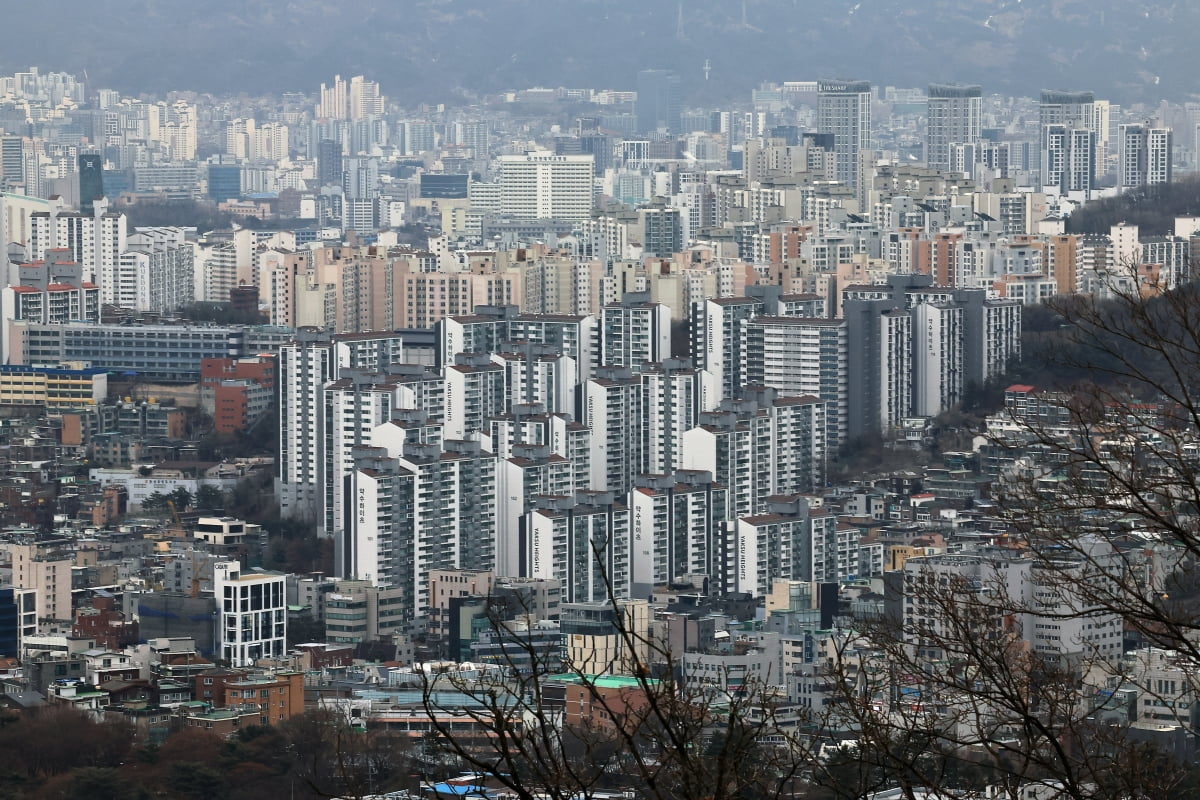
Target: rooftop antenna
679,21
707,68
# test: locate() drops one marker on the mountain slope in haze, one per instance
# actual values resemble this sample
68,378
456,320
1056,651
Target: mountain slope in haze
1126,50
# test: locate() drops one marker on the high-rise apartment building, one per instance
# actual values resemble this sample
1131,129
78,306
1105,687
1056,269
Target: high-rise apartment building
1070,109
334,100
305,366
633,332
761,446
679,528
583,542
154,273
1069,127
44,567
797,357
844,111
1143,155
425,508
659,101
955,117
1068,158
365,100
789,541
95,241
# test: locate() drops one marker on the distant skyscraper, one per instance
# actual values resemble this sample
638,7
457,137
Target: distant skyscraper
364,101
224,178
419,137
659,100
91,181
360,180
329,162
334,100
1071,109
1143,155
955,114
844,111
12,160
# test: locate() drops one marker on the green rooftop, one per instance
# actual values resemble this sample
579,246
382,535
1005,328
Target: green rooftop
604,681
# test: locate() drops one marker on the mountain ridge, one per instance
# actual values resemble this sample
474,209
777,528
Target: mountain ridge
1128,52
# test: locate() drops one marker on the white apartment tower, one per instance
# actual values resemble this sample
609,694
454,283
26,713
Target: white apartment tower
761,446
1143,156
633,333
582,542
674,396
426,508
937,357
679,527
788,541
306,364
797,357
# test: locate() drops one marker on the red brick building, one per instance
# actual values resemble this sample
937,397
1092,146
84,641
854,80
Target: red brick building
237,391
106,624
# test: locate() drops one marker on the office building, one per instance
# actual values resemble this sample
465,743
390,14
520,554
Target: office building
167,353
91,181
541,185
18,619
12,163
844,112
251,614
329,162
659,101
955,117
224,180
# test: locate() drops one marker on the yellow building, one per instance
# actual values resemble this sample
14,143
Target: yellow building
52,388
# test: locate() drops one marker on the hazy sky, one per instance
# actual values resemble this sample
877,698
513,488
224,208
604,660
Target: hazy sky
1127,50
